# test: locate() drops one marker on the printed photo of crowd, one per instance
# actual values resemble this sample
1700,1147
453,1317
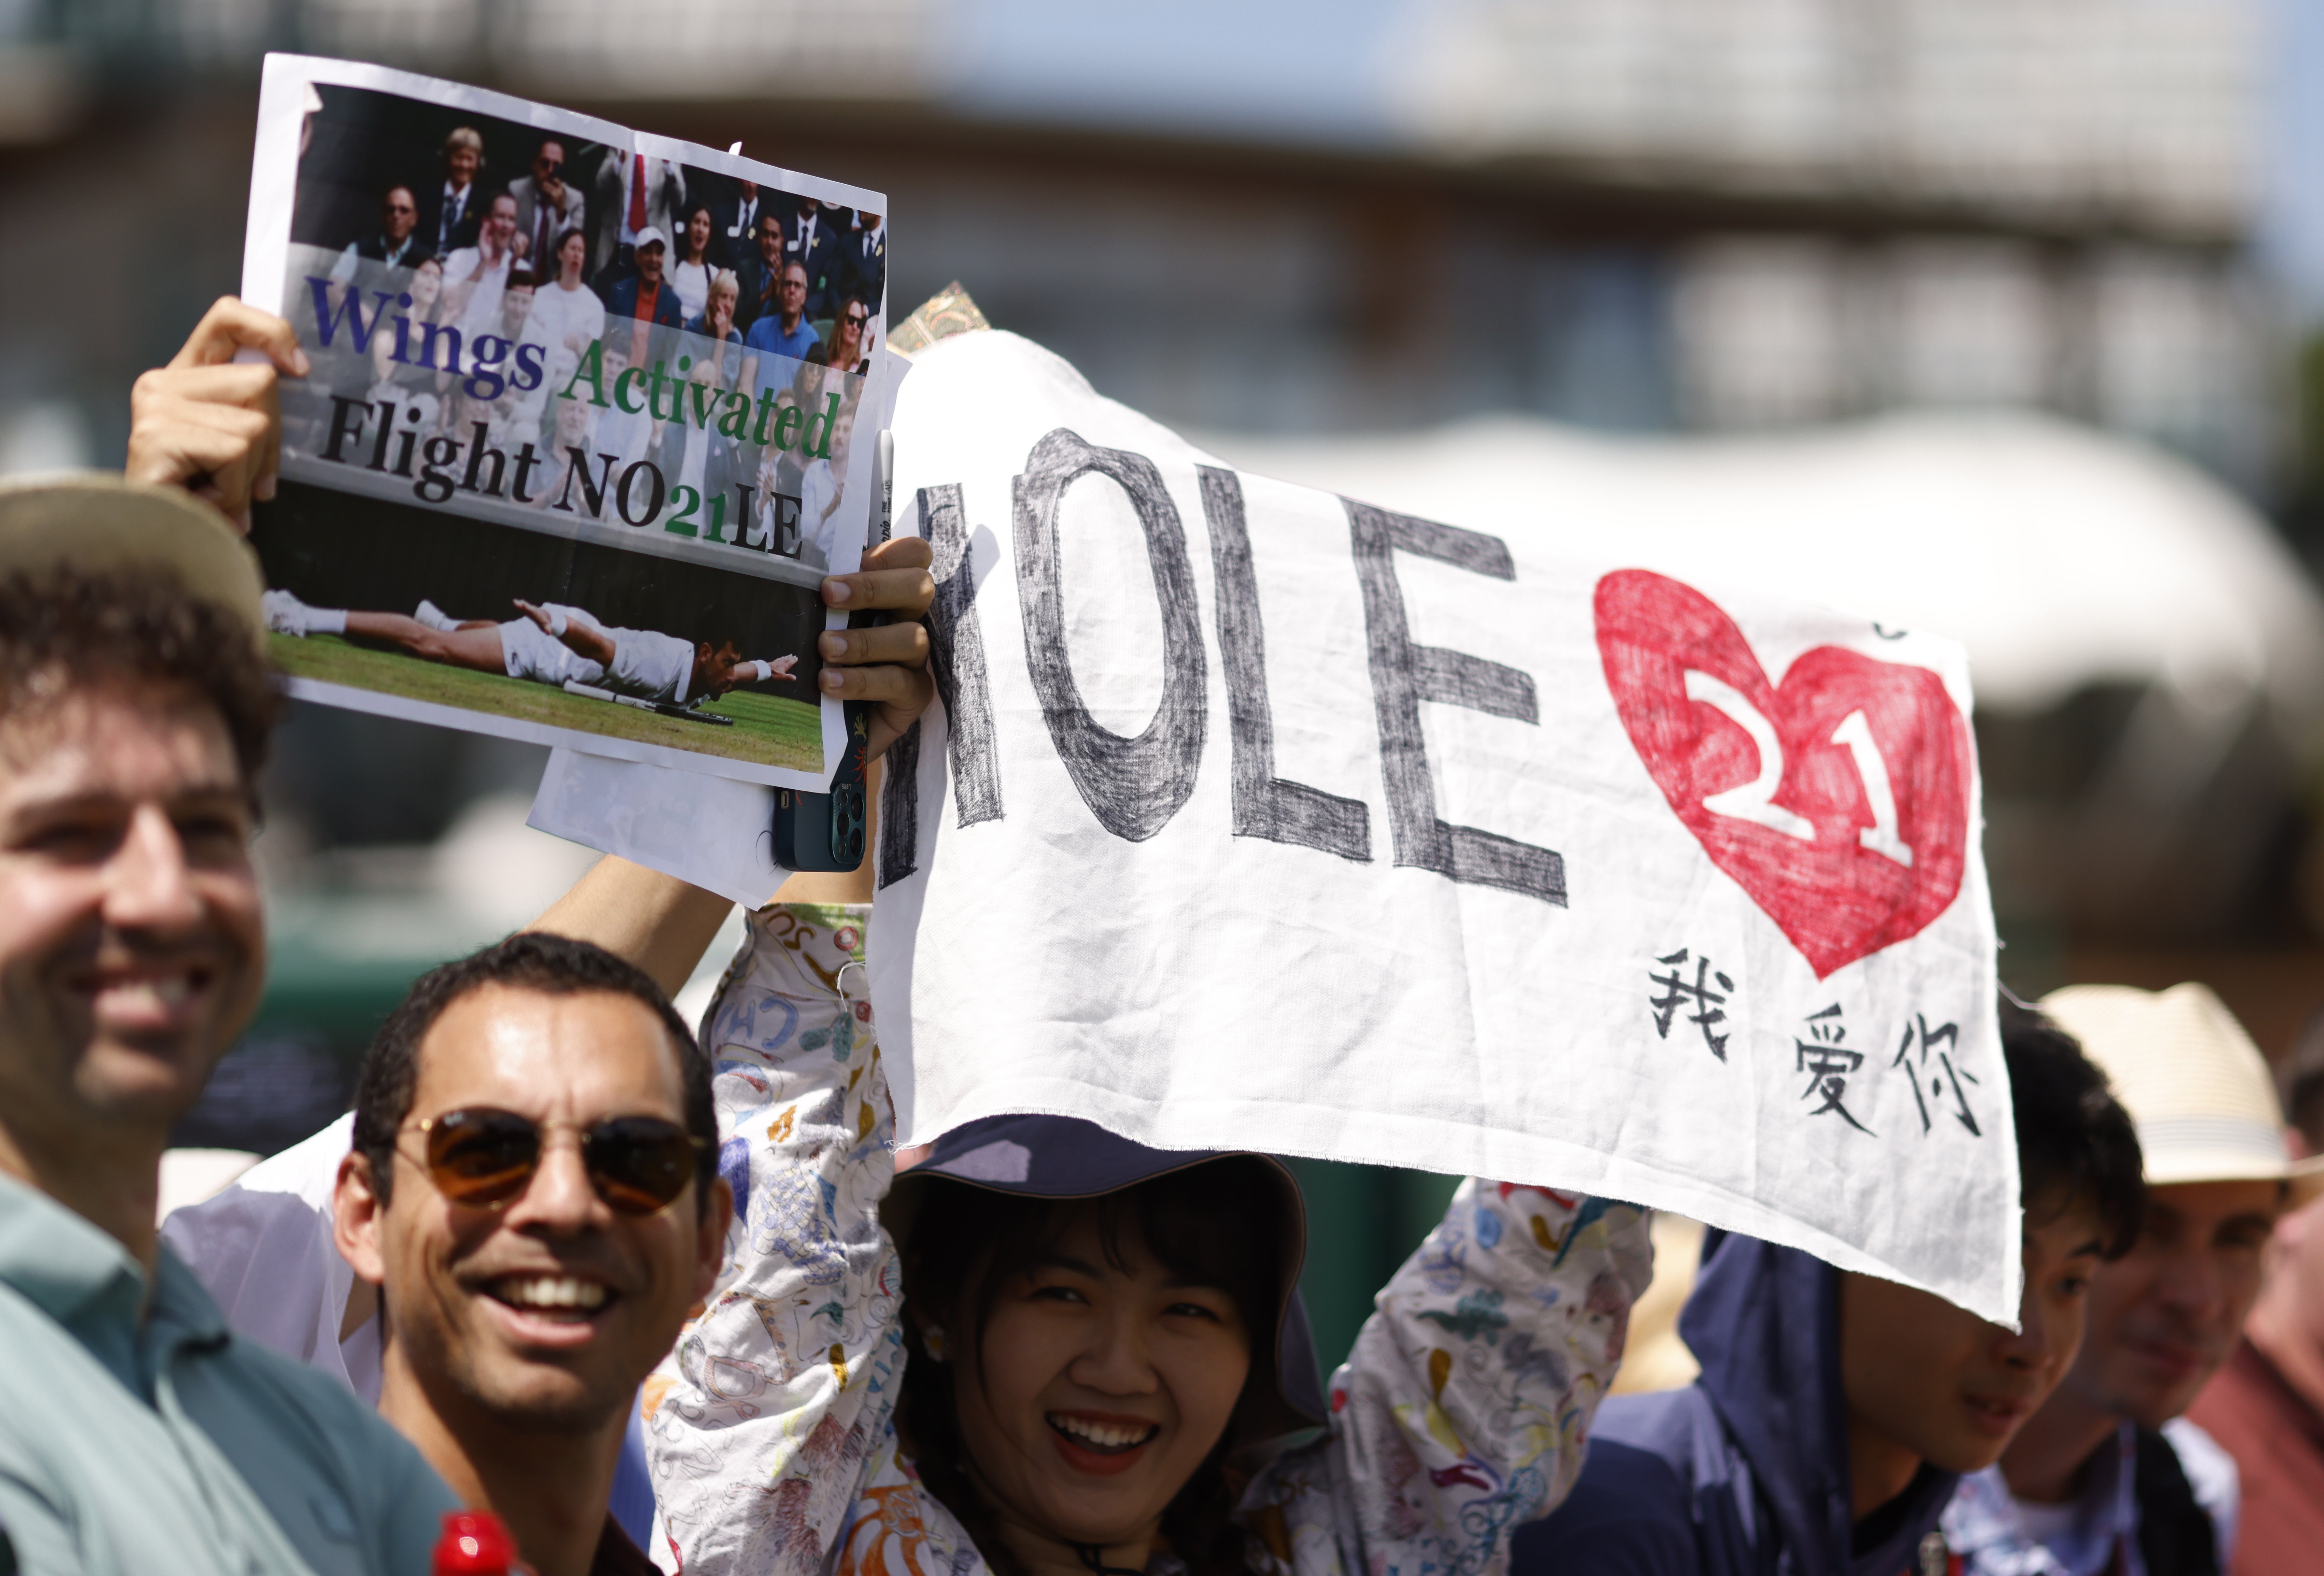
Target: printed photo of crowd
461,273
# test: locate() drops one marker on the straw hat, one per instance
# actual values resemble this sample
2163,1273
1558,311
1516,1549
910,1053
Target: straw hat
2198,1089
98,521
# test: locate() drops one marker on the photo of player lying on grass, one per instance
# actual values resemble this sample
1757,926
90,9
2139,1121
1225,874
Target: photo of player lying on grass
551,643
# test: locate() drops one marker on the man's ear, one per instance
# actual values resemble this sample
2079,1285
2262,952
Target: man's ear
358,1220
710,1236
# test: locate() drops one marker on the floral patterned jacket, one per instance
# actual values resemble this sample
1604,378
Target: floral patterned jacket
1461,1412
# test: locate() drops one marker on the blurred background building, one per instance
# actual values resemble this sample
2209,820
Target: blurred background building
1870,287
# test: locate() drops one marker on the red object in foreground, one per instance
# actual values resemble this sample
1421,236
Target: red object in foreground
475,1544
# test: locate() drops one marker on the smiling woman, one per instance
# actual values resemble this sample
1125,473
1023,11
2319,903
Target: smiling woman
1110,1351
1051,1351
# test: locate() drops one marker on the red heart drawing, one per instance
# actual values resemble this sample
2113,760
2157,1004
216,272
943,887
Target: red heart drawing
1852,837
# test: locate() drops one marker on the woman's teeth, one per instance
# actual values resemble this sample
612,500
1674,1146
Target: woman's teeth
1101,1436
551,1293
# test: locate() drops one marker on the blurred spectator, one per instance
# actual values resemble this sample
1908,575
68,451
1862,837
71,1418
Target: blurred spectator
565,312
645,296
419,377
505,413
788,471
774,522
574,434
844,351
2300,1083
2267,1405
787,331
866,271
689,274
734,227
761,276
2107,1475
1833,1411
474,276
692,456
455,212
822,483
626,434
717,319
397,242
634,194
547,204
135,705
814,244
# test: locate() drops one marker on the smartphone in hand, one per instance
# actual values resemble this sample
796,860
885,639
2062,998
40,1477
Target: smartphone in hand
825,831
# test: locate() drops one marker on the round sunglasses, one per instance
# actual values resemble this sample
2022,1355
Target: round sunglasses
482,1158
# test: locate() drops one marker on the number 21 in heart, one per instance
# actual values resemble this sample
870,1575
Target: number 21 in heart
1754,801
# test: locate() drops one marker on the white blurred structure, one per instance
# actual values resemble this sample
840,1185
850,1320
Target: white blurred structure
2075,110
1772,331
2061,558
45,434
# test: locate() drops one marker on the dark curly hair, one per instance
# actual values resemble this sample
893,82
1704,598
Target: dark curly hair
2074,1139
554,965
66,630
970,1241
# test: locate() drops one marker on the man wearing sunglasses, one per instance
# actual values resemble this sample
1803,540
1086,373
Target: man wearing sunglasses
547,205
534,1192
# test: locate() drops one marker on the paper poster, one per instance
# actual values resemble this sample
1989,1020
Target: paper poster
579,445
715,833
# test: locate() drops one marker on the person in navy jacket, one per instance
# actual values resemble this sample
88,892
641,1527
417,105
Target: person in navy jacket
734,225
1835,1412
813,241
866,256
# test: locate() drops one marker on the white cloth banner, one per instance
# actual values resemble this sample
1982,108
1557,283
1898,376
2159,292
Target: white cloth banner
1252,816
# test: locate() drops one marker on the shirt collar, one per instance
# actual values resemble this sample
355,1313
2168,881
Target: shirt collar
85,1280
1983,1519
61,1261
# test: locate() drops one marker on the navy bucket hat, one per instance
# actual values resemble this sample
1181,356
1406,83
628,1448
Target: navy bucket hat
1065,1157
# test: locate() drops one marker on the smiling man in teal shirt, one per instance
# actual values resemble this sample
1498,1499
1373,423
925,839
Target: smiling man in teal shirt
137,1435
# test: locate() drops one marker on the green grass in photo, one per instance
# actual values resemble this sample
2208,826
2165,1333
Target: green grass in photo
768,730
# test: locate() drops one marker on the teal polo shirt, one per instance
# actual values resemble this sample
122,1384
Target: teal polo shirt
137,1439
